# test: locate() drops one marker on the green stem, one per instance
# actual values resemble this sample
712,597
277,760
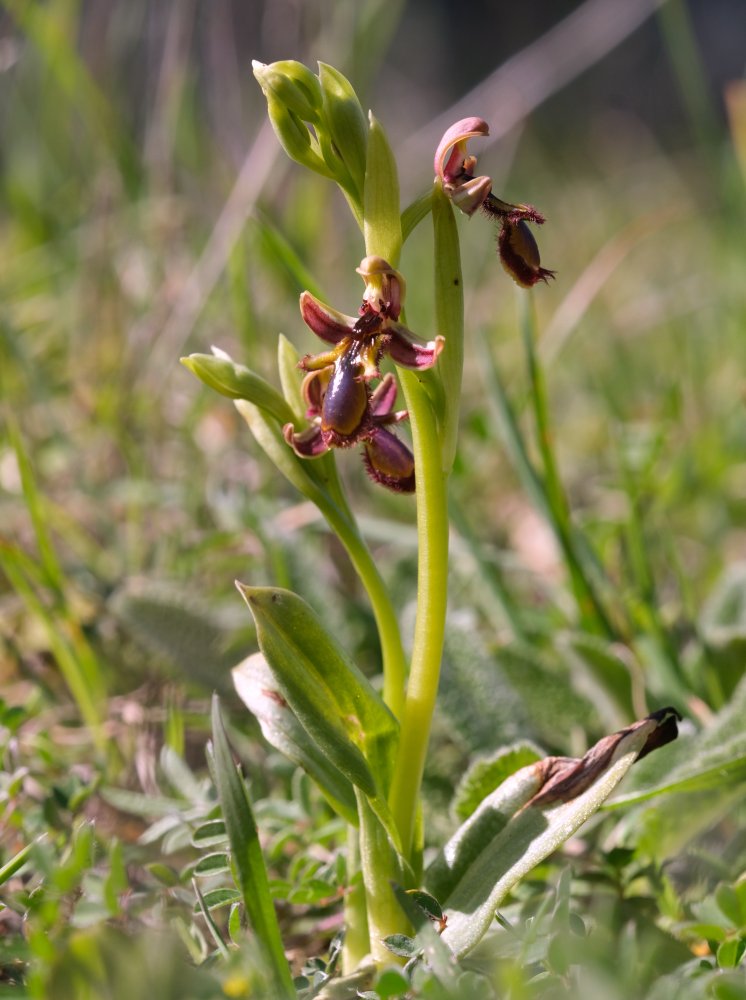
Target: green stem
392,651
432,580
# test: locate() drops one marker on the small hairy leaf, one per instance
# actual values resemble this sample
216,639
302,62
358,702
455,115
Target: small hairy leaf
487,773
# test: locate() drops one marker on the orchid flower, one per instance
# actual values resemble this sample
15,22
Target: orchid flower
341,407
518,250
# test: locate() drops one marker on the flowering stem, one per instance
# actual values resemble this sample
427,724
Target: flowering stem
392,651
432,579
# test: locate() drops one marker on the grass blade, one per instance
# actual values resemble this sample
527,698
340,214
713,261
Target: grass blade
248,862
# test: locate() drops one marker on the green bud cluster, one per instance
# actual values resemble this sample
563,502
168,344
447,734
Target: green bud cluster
319,122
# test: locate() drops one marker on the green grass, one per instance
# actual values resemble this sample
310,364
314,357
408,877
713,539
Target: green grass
597,553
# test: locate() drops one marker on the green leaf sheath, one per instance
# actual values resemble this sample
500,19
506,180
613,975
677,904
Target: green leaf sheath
248,863
380,867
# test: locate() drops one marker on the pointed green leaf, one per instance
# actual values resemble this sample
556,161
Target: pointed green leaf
333,701
246,853
235,381
256,687
382,228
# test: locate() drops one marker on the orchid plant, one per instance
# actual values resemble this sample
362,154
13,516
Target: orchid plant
367,751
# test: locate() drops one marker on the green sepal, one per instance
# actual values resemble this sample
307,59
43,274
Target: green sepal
295,138
256,687
294,85
290,377
246,855
333,701
347,127
238,382
382,229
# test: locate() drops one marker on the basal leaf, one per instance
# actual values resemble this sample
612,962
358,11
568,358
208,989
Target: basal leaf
257,688
542,806
333,701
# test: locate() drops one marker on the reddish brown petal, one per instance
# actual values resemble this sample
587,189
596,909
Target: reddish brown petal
309,443
408,350
383,399
327,323
389,462
313,388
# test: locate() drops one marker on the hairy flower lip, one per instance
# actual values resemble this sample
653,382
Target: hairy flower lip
388,461
519,255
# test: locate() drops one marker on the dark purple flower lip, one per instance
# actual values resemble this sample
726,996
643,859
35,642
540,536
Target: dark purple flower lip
387,459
